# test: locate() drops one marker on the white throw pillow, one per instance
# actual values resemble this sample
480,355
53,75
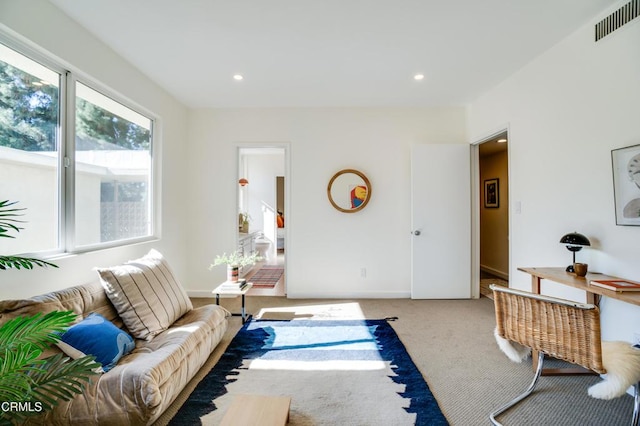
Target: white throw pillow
146,294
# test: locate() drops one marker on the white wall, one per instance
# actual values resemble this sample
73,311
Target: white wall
325,248
44,26
566,111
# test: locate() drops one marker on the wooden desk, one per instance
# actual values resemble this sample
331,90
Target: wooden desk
593,293
559,275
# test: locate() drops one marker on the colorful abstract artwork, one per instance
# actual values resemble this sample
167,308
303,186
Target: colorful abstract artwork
358,194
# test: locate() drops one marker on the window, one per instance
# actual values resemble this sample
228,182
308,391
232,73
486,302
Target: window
113,170
105,159
30,149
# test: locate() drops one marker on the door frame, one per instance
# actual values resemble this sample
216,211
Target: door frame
286,146
476,205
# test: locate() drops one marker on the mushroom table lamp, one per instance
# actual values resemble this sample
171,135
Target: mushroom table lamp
574,242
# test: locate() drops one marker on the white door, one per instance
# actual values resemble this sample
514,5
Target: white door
441,221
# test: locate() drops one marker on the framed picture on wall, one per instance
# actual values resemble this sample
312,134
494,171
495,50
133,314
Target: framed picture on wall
491,195
626,184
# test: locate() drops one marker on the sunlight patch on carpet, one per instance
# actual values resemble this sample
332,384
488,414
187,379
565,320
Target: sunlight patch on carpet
334,365
349,311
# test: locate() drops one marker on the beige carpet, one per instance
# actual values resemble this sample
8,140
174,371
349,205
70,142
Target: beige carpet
451,342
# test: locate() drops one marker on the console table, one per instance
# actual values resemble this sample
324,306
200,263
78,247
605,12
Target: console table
559,275
246,247
593,293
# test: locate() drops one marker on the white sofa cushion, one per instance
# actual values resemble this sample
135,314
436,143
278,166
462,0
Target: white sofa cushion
146,294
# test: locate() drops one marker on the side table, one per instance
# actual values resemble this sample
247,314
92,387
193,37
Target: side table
239,292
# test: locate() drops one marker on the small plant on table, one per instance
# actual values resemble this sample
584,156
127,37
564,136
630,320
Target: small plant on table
234,262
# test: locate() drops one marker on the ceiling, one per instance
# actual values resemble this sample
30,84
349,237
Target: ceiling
492,146
330,53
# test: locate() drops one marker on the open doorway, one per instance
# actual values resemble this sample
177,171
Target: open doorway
262,206
493,168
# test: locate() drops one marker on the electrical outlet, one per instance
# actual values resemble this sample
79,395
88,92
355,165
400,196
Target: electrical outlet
363,272
518,207
636,338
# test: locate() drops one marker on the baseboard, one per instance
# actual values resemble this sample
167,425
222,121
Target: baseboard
320,295
350,295
497,273
201,293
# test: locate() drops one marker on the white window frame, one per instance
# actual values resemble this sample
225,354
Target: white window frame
66,152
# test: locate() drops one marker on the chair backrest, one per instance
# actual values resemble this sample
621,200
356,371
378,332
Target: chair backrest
560,328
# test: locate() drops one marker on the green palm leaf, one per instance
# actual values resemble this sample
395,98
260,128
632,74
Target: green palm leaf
14,383
26,377
38,330
8,223
7,262
7,218
60,379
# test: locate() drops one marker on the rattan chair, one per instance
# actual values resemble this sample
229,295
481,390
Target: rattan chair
562,329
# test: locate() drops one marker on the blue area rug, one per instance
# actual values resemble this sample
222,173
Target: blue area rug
365,357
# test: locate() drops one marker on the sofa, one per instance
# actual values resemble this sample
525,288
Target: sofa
143,383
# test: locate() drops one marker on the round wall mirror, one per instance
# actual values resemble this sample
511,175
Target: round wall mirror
349,191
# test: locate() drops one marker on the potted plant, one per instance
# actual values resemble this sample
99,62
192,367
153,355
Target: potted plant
234,262
32,383
243,222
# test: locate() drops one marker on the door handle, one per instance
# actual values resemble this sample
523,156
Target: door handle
416,232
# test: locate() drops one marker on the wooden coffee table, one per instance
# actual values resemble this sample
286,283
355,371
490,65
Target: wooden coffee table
220,290
260,410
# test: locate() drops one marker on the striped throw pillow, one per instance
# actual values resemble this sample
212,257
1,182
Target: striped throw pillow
146,294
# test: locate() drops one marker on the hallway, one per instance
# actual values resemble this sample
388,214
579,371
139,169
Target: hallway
279,288
487,279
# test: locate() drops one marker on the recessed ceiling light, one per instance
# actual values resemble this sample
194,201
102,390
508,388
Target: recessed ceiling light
238,77
501,140
418,77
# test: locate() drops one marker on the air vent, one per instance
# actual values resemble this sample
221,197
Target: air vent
625,14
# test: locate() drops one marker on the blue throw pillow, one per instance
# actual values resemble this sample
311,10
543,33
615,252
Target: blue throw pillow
96,336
